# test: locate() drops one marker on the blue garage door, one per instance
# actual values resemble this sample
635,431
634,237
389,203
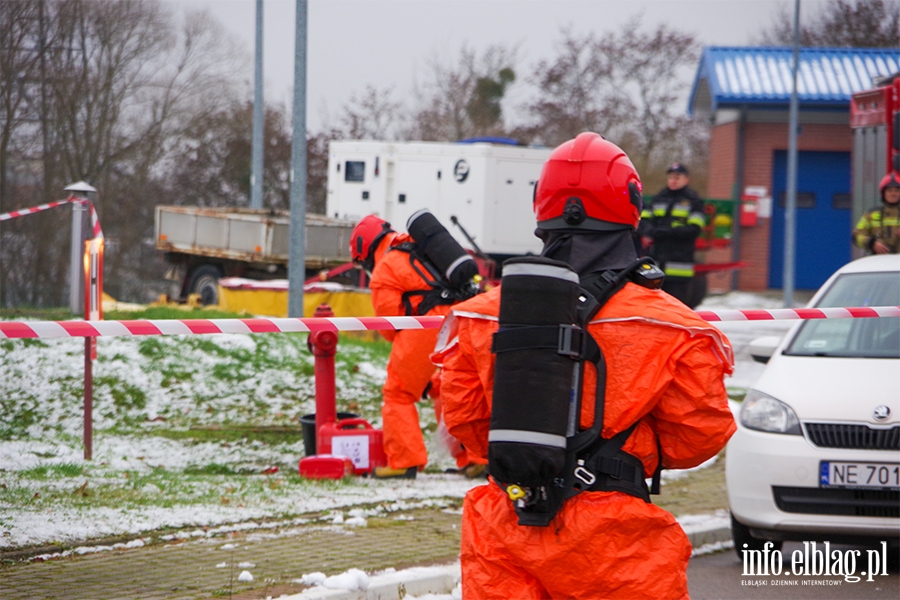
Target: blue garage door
822,233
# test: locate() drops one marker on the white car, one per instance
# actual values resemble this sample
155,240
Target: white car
817,452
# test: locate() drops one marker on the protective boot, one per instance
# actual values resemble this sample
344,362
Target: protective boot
389,473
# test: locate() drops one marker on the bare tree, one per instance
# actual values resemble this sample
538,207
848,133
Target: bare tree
576,91
484,108
647,65
624,86
119,84
317,169
839,23
18,67
463,100
371,115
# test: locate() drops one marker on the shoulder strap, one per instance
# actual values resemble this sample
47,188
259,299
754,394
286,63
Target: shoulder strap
599,463
602,286
436,293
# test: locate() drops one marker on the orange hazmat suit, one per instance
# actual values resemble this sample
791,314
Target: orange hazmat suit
409,368
665,371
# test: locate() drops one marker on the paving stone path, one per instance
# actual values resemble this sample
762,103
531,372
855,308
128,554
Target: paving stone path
192,568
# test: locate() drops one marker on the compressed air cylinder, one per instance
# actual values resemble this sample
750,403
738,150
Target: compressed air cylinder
441,248
532,381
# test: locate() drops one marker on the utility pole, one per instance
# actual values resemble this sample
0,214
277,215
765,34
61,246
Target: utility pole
790,209
256,177
297,257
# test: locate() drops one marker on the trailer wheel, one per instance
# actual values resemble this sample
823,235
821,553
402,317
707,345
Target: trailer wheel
205,282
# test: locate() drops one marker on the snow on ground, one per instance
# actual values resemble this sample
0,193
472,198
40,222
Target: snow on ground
172,381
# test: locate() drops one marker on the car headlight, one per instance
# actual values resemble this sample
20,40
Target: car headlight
764,413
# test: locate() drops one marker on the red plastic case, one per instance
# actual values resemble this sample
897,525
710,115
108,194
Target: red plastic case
325,466
356,439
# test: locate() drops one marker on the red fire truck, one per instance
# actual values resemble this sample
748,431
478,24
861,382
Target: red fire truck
875,121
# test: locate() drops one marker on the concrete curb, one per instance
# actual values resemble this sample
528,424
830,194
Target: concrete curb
393,586
443,579
713,531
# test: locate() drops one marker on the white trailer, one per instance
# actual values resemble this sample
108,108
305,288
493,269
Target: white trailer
487,187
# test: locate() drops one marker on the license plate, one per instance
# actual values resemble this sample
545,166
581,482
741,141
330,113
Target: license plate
859,474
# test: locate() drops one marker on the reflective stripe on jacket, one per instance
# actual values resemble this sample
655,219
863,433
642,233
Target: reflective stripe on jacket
881,224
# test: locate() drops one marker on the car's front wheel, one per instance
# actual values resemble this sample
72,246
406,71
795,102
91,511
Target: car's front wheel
741,535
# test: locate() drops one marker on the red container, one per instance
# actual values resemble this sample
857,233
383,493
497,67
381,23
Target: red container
355,439
325,466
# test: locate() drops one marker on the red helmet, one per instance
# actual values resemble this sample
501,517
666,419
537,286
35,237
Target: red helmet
588,183
364,240
889,180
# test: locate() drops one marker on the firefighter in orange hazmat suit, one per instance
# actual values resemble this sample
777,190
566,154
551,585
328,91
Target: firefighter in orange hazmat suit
399,289
664,374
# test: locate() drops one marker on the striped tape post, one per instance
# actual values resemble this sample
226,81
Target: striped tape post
21,212
68,329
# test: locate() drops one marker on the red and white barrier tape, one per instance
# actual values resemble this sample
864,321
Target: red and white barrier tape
787,314
64,329
61,329
21,212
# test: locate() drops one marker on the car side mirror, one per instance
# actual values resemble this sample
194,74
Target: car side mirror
762,348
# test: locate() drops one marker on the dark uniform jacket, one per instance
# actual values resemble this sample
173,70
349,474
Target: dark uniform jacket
673,220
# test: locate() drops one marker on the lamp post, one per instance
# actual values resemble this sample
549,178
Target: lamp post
80,189
297,260
256,177
790,209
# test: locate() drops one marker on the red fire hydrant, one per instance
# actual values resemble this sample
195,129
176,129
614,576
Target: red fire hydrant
323,345
345,447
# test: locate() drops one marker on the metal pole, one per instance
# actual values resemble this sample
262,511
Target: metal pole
256,177
297,258
790,210
737,192
76,275
88,400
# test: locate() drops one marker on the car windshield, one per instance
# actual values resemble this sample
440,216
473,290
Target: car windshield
877,337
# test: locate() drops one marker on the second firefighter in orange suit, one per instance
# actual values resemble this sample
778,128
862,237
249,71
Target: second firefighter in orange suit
397,290
664,371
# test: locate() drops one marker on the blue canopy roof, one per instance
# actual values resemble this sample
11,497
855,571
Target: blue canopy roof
826,78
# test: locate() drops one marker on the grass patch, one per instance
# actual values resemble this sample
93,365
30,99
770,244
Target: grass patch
696,491
151,312
125,396
737,394
53,471
9,345
42,314
214,469
167,312
266,435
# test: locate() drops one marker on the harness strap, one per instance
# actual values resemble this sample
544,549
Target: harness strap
657,473
430,298
438,293
568,340
613,469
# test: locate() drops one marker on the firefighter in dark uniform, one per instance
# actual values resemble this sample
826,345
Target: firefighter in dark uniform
878,231
669,229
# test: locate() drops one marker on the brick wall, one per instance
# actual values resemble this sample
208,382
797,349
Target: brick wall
722,160
761,140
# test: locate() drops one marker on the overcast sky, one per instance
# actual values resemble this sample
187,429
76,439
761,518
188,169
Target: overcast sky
386,43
